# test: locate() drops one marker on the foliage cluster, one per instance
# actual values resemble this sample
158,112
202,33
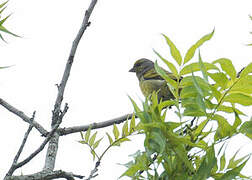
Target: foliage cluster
212,96
186,149
3,20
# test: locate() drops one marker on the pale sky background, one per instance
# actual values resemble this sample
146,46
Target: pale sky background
121,32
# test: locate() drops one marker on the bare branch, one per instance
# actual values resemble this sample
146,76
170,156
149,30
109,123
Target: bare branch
32,155
46,175
12,168
57,117
74,129
23,116
57,113
51,153
62,85
93,173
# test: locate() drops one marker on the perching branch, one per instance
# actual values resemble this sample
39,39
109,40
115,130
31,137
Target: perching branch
23,116
74,129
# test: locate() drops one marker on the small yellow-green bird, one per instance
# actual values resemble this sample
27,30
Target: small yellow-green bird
150,80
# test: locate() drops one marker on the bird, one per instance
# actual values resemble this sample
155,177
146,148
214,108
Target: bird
150,80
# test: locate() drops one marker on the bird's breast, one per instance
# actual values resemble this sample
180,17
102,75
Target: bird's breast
148,86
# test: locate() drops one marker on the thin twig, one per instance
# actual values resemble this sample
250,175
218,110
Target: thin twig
12,168
41,147
62,85
23,116
74,129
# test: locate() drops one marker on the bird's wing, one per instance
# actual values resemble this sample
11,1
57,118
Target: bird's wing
152,74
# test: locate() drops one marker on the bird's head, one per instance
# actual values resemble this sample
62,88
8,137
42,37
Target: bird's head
141,66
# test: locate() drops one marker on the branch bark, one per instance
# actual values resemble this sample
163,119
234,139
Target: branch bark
75,129
45,175
57,116
57,113
23,116
62,85
32,155
13,166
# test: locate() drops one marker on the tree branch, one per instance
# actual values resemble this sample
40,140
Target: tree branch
74,129
45,175
93,173
57,113
57,117
23,116
53,144
32,155
12,168
61,87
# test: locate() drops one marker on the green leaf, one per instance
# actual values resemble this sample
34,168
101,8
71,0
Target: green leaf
237,121
206,166
227,66
190,53
228,109
87,135
82,142
246,71
231,163
156,141
243,85
93,153
193,67
132,124
3,20
224,129
115,131
170,65
201,103
2,38
96,144
197,86
239,98
92,139
220,78
109,138
1,11
222,162
167,103
123,139
232,174
215,92
162,73
182,154
246,128
125,130
137,109
200,127
2,5
8,32
174,51
193,111
203,68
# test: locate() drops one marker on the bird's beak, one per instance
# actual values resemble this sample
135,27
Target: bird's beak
132,70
